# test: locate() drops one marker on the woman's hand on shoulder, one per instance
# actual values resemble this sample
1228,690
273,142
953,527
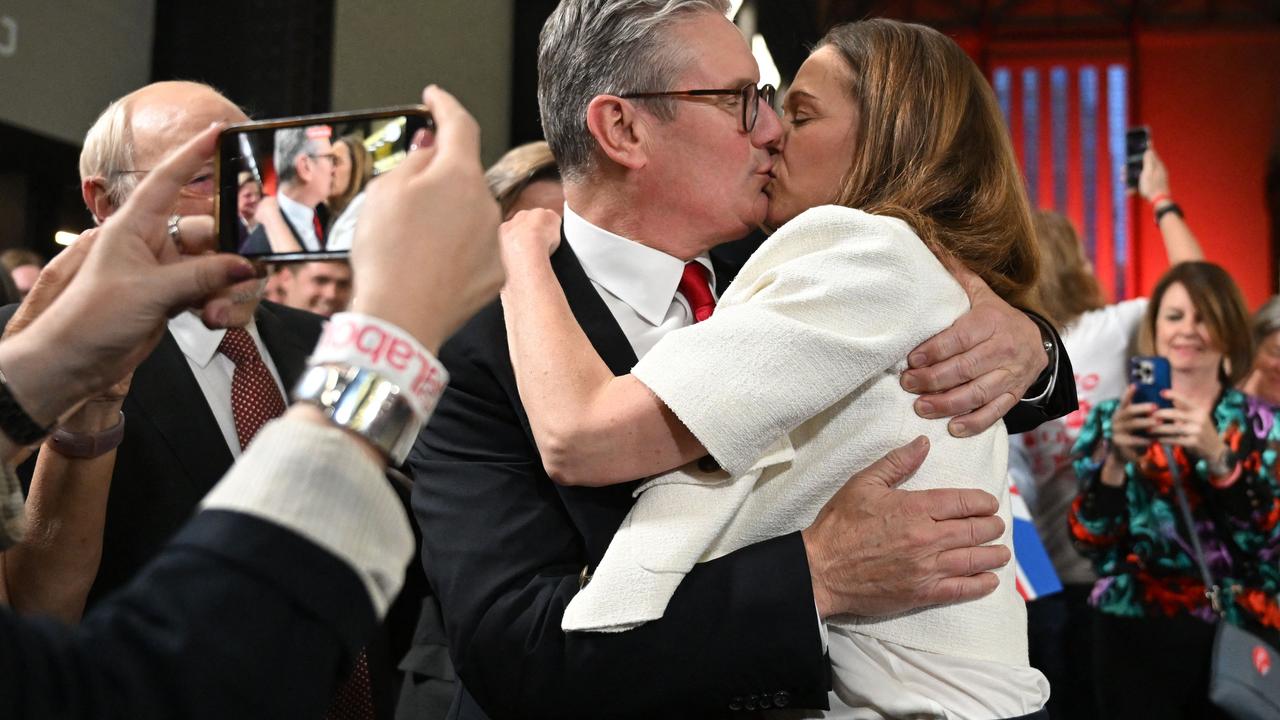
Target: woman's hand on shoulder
529,236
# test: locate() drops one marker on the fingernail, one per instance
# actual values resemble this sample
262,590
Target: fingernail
222,317
924,407
421,139
909,382
916,359
241,271
959,429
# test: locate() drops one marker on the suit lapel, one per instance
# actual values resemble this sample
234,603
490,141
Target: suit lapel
166,392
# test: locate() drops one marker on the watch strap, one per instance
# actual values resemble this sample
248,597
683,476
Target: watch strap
85,446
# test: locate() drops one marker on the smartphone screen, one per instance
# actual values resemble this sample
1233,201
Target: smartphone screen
1136,141
1151,376
299,175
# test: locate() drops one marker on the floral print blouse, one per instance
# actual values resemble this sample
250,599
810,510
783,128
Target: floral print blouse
1138,542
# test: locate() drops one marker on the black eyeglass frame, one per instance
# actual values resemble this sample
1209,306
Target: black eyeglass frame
750,110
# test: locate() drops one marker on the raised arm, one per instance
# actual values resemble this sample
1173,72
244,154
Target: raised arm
591,427
1180,244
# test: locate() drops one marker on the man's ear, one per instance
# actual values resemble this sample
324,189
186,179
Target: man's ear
94,191
619,130
302,167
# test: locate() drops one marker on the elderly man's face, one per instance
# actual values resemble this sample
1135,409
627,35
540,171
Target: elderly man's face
704,166
163,117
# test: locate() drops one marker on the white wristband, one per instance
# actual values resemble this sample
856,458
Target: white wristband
372,343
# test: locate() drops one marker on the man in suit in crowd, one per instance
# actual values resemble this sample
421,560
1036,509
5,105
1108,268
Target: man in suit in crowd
322,286
506,549
304,166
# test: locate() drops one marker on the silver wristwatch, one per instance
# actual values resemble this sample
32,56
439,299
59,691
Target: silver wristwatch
363,402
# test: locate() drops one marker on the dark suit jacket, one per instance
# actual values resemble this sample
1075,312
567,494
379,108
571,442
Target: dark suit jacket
503,547
177,642
258,244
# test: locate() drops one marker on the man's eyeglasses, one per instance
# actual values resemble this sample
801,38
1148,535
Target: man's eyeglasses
749,95
325,156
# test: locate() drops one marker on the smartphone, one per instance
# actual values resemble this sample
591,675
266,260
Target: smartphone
1151,375
295,162
1136,142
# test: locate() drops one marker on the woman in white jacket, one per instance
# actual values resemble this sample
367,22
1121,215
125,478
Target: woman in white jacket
793,383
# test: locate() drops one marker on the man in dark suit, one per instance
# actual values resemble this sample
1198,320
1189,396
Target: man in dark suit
648,187
304,165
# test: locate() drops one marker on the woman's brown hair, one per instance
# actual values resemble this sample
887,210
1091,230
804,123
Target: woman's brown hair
1220,304
932,149
1067,287
361,171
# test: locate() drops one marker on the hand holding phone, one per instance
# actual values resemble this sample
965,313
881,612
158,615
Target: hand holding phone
1136,141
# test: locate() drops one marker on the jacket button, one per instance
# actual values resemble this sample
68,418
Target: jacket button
708,464
735,704
781,699
750,704
765,702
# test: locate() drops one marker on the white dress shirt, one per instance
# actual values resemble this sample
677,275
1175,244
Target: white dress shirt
636,282
302,218
213,370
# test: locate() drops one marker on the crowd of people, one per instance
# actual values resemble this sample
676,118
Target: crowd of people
563,449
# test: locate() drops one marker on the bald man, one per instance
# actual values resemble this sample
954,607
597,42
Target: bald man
179,418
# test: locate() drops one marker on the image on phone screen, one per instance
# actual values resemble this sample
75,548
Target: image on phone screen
291,190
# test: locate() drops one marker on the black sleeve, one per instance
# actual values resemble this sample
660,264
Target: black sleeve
1062,401
236,618
504,551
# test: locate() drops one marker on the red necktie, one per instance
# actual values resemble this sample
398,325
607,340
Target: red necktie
255,397
315,223
695,286
354,699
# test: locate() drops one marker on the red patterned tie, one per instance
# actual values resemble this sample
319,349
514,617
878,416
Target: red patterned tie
255,397
695,286
315,223
354,699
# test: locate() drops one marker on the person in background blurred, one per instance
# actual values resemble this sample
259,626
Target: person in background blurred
1264,377
247,199
322,287
352,169
1099,338
526,178
1153,631
23,266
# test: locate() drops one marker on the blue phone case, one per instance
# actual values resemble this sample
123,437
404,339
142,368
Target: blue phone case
1151,375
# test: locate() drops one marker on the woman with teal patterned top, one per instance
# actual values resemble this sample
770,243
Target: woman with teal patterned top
1154,629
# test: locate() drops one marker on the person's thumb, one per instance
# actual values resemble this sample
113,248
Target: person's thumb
895,467
190,282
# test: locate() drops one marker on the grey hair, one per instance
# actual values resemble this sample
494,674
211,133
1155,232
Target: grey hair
108,152
603,47
1266,320
290,143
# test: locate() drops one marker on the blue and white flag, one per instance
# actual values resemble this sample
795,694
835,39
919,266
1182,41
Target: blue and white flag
1036,577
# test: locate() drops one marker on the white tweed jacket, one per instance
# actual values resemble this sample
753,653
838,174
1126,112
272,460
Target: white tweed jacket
792,386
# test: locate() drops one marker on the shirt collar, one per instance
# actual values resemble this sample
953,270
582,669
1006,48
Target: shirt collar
300,216
198,342
638,275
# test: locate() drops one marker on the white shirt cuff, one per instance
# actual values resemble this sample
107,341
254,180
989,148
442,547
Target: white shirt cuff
314,480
